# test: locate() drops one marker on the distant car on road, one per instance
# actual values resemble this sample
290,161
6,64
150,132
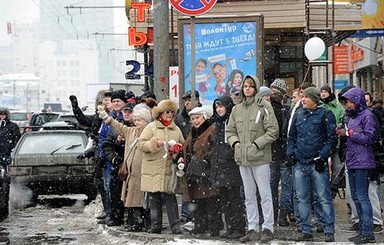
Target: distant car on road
21,118
47,162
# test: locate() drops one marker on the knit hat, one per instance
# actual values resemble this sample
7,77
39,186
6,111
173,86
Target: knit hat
119,94
264,91
313,94
279,84
131,97
326,88
143,113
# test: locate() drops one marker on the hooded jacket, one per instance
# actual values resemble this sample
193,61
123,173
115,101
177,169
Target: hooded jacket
9,134
224,171
359,153
254,127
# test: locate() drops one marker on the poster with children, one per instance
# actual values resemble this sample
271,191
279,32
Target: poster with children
224,53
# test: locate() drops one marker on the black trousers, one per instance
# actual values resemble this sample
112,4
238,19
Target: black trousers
232,205
207,215
155,206
117,206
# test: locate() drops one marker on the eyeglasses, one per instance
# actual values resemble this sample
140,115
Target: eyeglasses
169,112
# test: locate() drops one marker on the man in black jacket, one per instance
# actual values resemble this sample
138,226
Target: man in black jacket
279,168
9,134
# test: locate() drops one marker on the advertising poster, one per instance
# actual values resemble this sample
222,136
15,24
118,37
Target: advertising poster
224,53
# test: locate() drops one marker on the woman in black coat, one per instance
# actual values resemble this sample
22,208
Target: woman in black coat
225,174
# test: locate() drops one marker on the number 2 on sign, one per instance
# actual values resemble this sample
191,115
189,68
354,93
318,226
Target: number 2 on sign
174,89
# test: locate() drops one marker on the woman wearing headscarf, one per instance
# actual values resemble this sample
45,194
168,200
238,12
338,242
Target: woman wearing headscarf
203,197
155,143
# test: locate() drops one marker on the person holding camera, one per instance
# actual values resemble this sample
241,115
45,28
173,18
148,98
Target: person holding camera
311,140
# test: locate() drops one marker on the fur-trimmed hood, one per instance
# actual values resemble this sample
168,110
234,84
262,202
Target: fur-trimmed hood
6,111
164,105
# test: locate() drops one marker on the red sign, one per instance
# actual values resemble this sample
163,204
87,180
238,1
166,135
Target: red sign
341,60
193,7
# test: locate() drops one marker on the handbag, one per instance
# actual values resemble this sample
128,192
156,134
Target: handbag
122,172
174,183
198,170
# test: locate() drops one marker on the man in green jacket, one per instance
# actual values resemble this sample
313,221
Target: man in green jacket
251,129
332,104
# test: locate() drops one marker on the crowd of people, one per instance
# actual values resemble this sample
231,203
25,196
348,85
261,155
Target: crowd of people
228,165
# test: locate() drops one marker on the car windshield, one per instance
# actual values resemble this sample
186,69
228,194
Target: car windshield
48,143
18,116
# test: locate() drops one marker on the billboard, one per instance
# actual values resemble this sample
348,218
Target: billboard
226,49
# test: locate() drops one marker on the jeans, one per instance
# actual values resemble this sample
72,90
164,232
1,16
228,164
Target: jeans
359,184
286,188
374,197
280,172
310,182
106,182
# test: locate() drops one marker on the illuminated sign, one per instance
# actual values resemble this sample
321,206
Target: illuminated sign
136,38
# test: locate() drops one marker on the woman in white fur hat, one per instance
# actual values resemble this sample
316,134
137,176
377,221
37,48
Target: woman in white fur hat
155,142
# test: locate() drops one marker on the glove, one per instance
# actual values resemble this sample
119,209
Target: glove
176,148
102,113
291,161
319,164
74,102
344,132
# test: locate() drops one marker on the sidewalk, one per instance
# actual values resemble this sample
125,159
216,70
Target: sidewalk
283,235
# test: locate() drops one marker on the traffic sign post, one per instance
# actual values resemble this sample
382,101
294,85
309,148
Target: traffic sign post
193,7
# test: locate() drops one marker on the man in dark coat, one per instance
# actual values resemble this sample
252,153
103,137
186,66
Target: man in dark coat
225,174
279,168
9,134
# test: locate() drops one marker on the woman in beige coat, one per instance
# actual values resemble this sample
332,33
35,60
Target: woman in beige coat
156,167
131,193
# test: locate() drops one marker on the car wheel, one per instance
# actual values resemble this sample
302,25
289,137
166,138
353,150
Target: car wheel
4,201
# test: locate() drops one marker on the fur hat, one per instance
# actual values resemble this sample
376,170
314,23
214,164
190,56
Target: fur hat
119,94
313,94
143,113
279,84
164,105
264,91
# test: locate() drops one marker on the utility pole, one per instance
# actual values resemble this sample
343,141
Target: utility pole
161,49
